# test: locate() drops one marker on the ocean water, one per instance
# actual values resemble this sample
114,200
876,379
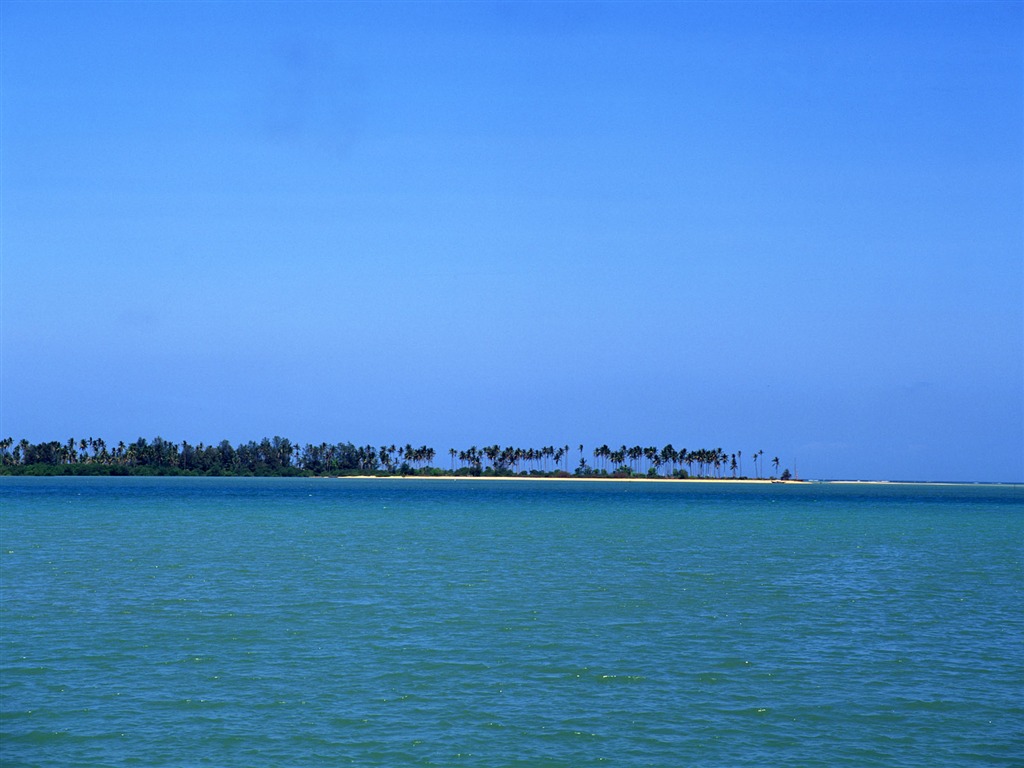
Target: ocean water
249,622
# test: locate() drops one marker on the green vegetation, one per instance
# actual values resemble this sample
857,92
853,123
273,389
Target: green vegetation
280,457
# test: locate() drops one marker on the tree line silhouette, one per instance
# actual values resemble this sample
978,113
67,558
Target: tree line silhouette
279,456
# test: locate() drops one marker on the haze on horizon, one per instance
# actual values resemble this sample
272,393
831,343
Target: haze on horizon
796,227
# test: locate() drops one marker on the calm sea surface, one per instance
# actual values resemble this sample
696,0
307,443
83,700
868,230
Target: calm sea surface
246,622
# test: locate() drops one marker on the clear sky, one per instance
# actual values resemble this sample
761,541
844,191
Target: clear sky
791,227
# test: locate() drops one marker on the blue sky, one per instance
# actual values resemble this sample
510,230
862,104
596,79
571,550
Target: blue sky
791,227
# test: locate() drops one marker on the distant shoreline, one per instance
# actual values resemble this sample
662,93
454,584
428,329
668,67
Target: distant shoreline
573,479
668,480
279,457
97,470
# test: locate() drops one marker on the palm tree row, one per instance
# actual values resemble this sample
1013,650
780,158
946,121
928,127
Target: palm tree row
700,462
512,460
280,455
277,455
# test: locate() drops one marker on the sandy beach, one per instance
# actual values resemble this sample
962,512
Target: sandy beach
706,480
688,480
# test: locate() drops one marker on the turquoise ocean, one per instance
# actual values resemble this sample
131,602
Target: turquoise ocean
389,622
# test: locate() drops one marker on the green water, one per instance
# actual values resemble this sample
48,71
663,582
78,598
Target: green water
246,622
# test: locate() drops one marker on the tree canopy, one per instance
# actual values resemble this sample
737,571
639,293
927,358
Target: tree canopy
279,456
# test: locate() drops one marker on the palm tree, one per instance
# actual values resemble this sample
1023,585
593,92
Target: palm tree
669,456
775,461
650,453
633,454
618,459
473,457
491,452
